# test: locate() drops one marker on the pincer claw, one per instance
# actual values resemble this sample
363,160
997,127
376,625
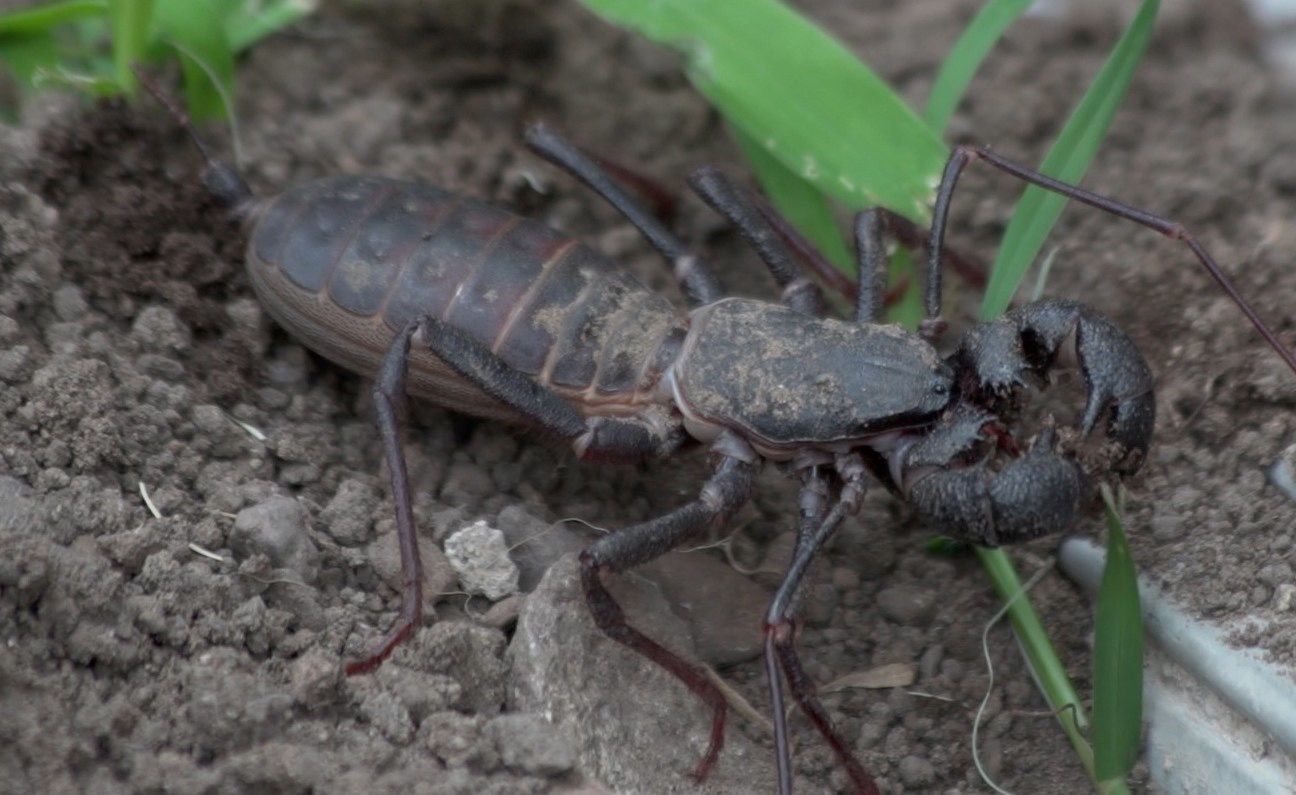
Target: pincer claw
1039,493
951,475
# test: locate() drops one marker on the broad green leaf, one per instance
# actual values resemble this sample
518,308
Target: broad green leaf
798,201
1118,657
1067,160
908,311
49,15
196,29
799,94
130,22
965,58
25,55
252,20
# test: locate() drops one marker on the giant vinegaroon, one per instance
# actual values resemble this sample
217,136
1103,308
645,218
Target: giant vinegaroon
475,309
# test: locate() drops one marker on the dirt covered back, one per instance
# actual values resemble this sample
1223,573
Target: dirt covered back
200,650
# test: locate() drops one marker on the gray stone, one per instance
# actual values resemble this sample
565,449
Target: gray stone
385,712
276,528
472,655
457,740
532,745
422,694
916,772
69,303
534,545
19,512
724,609
16,364
637,728
480,557
314,679
438,577
160,330
907,605
349,517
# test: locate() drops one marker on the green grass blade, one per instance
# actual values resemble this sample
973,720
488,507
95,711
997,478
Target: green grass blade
965,58
908,310
1117,723
1118,657
800,94
196,29
252,21
25,55
42,18
798,201
85,83
1067,160
1057,687
807,209
130,22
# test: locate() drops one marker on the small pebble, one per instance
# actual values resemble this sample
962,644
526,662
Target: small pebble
69,303
161,330
349,517
1284,596
916,772
385,712
532,745
314,677
907,605
15,364
1282,472
480,557
276,528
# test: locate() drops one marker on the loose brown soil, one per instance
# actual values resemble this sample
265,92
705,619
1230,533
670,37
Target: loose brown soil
134,662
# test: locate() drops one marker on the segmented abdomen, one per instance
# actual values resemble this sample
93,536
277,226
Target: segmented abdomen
347,261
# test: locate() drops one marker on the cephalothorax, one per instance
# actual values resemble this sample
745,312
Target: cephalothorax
476,309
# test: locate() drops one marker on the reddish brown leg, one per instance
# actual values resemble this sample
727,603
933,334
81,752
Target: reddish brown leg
600,438
963,155
780,626
661,200
390,402
906,232
632,546
739,206
696,277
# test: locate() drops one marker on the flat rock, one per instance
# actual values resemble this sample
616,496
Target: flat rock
637,728
724,609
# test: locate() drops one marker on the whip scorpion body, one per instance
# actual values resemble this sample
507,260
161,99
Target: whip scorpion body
475,309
